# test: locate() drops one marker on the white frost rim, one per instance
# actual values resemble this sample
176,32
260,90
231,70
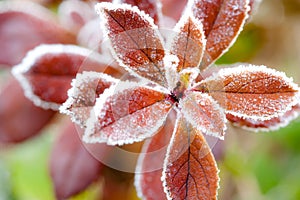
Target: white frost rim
100,7
38,52
81,79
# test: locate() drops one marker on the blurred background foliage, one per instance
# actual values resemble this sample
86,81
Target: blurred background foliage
260,166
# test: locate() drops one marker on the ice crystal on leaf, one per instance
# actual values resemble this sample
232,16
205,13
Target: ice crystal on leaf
169,81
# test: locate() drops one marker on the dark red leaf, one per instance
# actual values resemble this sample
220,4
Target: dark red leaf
190,171
188,43
135,40
82,96
204,113
126,113
72,167
266,125
150,7
149,167
251,92
222,21
15,109
47,71
24,25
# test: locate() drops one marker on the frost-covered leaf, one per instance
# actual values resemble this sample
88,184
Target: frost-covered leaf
126,113
151,7
188,43
82,96
24,25
19,118
251,92
190,171
136,43
204,113
266,125
222,21
72,167
150,163
47,71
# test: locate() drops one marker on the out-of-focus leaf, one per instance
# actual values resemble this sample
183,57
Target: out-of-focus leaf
173,8
73,15
72,167
24,25
15,109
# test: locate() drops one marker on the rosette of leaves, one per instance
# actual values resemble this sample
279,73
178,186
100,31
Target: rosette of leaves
167,76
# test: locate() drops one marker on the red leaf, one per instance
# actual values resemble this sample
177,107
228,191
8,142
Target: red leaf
173,8
24,25
15,109
47,71
190,171
72,167
188,43
222,22
204,113
135,40
151,7
126,113
251,92
82,96
266,125
150,163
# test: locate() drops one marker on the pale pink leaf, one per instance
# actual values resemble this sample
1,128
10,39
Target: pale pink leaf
72,167
73,15
86,88
24,25
20,119
204,113
251,92
190,170
91,36
135,40
126,113
173,8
